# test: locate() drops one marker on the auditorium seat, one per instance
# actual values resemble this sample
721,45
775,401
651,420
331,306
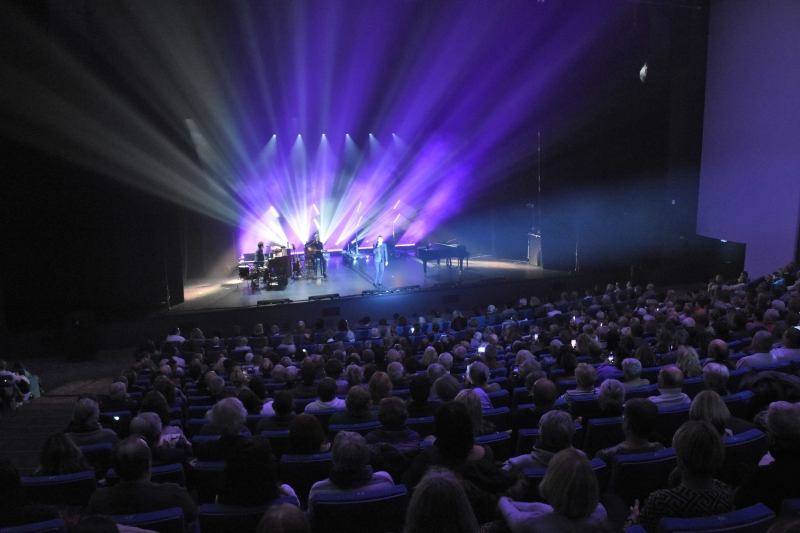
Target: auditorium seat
198,411
694,386
737,403
363,428
584,406
216,518
422,425
161,474
500,398
117,421
735,378
301,471
67,489
403,394
99,456
670,419
754,519
207,475
500,443
564,385
602,433
378,511
278,441
641,392
192,401
527,437
742,453
167,521
783,366
300,404
499,417
324,416
636,476
519,395
194,426
51,526
790,508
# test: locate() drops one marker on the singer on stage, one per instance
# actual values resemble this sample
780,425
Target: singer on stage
314,249
381,257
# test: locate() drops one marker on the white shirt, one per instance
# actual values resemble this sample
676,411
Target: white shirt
755,360
175,338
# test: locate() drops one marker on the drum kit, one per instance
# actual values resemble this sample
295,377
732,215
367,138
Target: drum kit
280,263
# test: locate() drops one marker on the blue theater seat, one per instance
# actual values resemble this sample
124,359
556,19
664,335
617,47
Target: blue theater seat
215,518
500,399
602,433
535,476
636,476
207,475
161,474
500,443
671,418
362,429
167,521
68,489
301,471
99,456
51,526
377,511
278,441
499,417
754,519
737,403
742,453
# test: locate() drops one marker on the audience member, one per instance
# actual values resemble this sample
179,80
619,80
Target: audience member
284,519
670,385
440,505
762,346
572,493
419,393
584,376
447,387
85,428
776,480
283,406
118,400
326,390
709,406
351,471
306,436
791,346
715,378
472,401
556,431
477,376
60,456
638,423
251,478
135,493
392,415
380,387
306,388
632,370
610,399
544,394
700,452
358,408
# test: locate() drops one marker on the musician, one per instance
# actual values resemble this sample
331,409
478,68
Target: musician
315,248
381,256
259,262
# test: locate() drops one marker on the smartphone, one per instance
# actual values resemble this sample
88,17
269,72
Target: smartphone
611,358
116,418
515,371
574,343
536,336
412,329
481,349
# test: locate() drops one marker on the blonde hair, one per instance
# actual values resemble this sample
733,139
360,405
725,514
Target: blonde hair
472,402
709,406
570,485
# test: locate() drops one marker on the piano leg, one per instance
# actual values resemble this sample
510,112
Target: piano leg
425,268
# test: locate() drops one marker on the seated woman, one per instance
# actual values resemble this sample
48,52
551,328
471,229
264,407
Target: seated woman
358,408
456,450
251,478
440,505
351,471
639,420
392,415
556,430
611,398
380,387
715,378
155,402
632,371
282,407
572,492
474,406
306,436
228,421
700,452
326,390
477,378
709,406
60,456
584,377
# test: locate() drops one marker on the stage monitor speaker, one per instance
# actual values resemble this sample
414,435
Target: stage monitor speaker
334,296
261,303
535,249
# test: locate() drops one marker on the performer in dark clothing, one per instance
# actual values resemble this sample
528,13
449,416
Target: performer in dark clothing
314,249
381,258
260,255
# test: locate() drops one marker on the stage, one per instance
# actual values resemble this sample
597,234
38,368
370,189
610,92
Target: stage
347,279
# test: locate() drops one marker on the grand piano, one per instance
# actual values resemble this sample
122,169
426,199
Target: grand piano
438,251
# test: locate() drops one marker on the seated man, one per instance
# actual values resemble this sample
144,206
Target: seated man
556,430
761,345
228,421
632,372
544,394
639,420
715,378
584,376
477,377
148,426
791,346
392,415
307,388
85,428
326,390
135,493
118,400
670,385
395,371
773,482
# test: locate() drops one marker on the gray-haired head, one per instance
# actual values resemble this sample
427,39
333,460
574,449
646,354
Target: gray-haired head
715,376
148,425
446,360
395,371
435,371
228,416
611,395
349,453
556,430
86,412
290,374
631,369
117,391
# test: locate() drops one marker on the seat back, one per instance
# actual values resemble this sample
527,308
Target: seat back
99,456
636,476
167,521
161,474
519,396
735,378
300,404
207,475
198,411
754,519
500,443
422,425
362,429
376,511
117,421
301,471
742,453
324,416
68,489
584,406
499,417
694,386
602,433
215,518
641,392
500,398
194,426
527,438
564,385
278,441
737,403
51,526
403,394
671,418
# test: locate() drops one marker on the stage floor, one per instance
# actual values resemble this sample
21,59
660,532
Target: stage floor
352,279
